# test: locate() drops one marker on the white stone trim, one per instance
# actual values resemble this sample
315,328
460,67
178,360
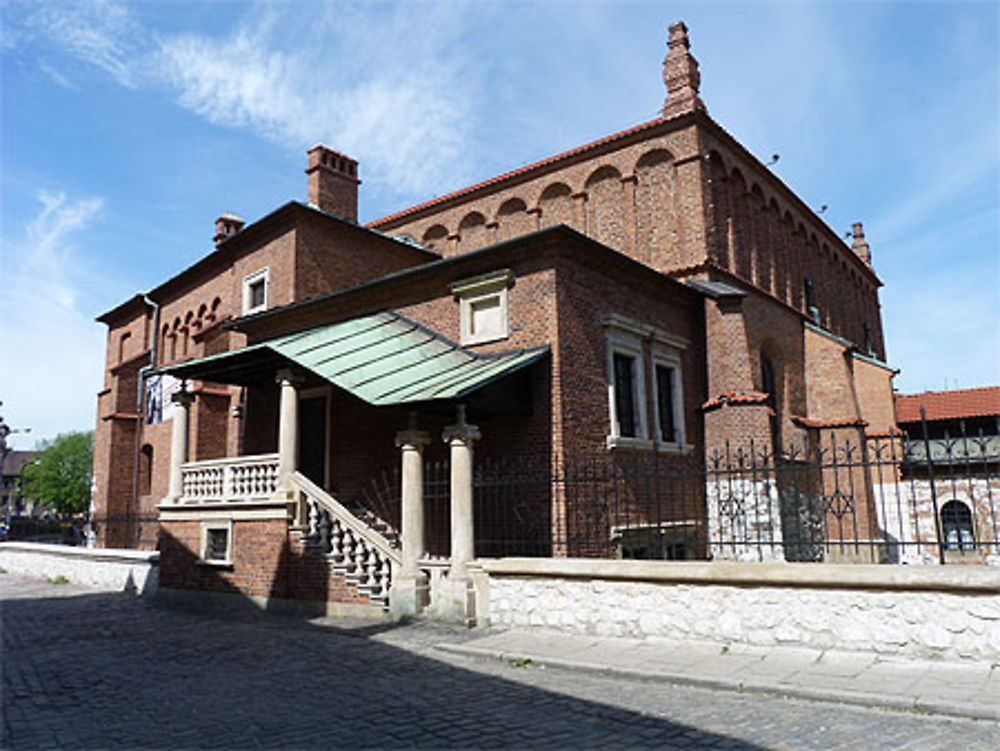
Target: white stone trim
215,525
671,359
644,331
629,346
985,580
250,511
248,281
477,290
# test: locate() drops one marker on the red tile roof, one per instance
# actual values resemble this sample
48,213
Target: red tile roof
948,405
735,398
519,171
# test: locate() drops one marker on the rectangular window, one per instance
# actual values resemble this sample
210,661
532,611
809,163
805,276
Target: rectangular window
665,403
624,368
257,299
217,542
482,304
255,292
644,386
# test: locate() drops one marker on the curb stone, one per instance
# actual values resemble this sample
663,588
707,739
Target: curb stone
965,710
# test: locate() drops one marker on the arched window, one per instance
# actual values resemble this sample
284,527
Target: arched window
956,523
145,469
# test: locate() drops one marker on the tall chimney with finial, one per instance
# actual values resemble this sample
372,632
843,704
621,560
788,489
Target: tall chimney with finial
680,74
333,182
860,245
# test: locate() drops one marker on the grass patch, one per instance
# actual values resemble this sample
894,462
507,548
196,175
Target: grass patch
521,662
59,580
3,570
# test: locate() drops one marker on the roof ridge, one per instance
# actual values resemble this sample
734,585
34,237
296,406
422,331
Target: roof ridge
517,171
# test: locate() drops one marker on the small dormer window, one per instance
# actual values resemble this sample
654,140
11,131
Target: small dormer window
482,304
255,292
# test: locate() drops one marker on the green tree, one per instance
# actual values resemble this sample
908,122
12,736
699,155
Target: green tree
60,476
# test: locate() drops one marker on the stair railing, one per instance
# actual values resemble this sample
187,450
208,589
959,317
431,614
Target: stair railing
355,549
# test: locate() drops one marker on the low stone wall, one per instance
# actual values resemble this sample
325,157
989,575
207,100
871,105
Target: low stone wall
106,569
922,612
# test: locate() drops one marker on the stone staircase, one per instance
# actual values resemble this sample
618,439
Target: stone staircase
360,547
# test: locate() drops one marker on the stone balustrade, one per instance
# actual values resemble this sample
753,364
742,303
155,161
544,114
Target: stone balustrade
357,551
234,480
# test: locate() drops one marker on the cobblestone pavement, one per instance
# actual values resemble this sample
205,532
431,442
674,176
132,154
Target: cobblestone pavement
94,670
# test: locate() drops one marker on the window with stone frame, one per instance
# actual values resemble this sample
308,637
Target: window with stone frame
255,291
483,301
644,377
217,542
626,387
669,405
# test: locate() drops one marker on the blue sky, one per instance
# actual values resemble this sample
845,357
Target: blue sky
126,128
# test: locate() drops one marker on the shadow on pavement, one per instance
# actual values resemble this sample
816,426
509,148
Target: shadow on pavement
115,671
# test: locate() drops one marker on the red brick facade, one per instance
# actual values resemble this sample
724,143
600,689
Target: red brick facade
653,212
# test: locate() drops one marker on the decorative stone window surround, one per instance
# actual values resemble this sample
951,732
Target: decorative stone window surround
476,294
248,284
626,336
216,525
669,358
622,343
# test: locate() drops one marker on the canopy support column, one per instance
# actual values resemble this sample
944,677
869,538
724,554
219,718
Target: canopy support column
456,598
178,443
409,593
288,428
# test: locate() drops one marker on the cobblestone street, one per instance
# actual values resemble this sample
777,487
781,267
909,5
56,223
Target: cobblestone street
94,670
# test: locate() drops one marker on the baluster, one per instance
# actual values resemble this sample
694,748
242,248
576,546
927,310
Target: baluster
384,576
337,543
313,519
350,545
362,561
324,531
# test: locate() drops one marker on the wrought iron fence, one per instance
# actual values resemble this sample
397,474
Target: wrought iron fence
834,499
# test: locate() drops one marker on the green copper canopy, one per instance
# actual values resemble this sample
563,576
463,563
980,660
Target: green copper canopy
382,359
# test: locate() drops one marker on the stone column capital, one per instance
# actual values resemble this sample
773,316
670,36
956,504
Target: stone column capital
461,431
289,376
183,398
412,439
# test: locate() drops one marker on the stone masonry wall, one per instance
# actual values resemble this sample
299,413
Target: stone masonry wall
921,624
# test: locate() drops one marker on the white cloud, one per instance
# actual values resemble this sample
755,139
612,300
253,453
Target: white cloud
52,347
60,78
357,77
103,33
407,124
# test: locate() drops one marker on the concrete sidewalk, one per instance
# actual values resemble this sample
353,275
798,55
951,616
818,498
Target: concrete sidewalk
947,688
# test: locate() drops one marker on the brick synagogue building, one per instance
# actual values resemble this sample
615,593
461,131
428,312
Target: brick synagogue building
317,408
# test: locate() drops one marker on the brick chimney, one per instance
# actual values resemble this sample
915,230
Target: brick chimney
860,245
333,182
680,74
226,226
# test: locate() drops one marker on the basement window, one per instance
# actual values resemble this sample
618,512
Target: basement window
482,302
255,292
217,543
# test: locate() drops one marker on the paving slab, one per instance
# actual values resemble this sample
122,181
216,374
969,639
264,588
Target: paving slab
955,689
